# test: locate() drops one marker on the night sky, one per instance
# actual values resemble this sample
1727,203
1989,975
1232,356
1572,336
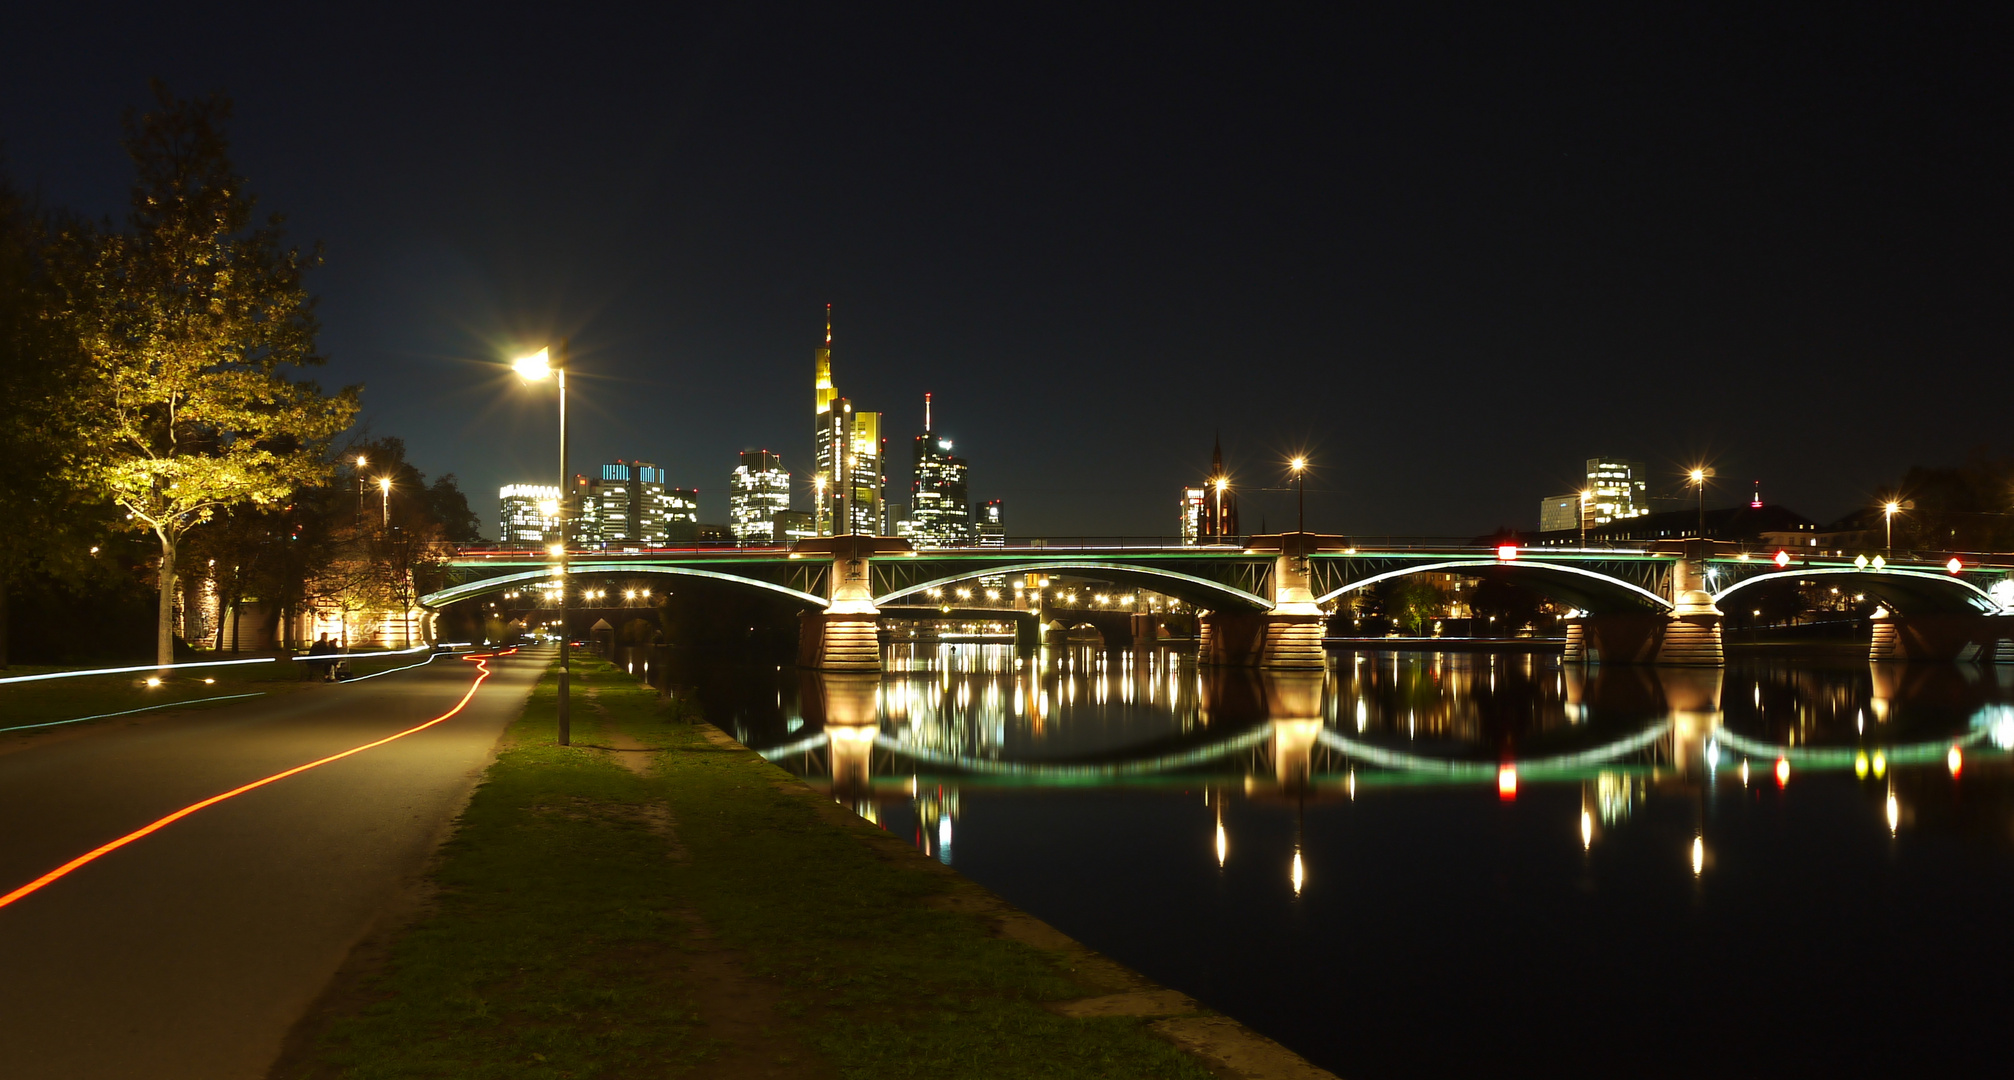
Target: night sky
1449,252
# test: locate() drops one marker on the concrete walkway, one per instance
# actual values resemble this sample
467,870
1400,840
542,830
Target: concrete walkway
191,952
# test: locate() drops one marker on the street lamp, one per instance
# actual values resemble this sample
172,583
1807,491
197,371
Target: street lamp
1585,497
818,526
1300,467
385,492
1222,483
1699,477
1888,511
535,368
361,462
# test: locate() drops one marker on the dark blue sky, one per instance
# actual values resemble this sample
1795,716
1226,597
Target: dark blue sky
1451,251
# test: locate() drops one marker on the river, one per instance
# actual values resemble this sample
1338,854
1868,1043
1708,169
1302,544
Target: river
1423,863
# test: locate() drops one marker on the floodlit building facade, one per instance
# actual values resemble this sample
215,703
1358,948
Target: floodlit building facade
1557,513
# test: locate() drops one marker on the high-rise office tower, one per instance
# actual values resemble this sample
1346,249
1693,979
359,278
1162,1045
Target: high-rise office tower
1192,514
1617,489
847,454
989,524
528,513
939,513
757,492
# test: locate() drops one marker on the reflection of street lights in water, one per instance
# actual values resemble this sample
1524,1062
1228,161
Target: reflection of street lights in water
1698,854
1299,874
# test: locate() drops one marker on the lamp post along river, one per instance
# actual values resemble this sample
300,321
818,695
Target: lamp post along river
535,368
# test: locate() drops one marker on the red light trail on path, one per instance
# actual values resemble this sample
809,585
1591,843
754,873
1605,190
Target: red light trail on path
156,826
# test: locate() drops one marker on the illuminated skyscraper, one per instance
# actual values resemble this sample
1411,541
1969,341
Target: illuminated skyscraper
847,454
758,492
939,514
629,505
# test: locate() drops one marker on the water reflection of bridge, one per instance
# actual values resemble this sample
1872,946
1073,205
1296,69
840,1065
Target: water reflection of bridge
974,722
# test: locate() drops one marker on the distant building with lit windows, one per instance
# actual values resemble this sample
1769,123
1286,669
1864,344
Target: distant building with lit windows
989,524
527,513
1192,514
940,514
629,504
1617,489
1557,513
758,491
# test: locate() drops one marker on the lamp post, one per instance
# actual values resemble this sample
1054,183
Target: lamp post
361,462
1300,466
1585,495
535,368
1699,478
818,526
1888,511
385,492
1222,483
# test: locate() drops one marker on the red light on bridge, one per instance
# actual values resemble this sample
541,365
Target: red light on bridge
1507,552
1507,783
1955,761
1782,772
1954,565
1782,559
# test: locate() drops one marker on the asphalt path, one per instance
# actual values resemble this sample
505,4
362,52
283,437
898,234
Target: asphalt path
192,951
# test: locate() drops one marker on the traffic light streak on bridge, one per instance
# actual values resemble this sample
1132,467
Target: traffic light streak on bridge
1262,604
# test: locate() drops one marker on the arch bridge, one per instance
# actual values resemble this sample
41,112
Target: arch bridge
1262,603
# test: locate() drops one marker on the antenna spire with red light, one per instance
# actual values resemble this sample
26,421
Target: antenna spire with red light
926,412
828,326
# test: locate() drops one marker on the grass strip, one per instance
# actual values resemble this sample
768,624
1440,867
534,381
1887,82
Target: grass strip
703,915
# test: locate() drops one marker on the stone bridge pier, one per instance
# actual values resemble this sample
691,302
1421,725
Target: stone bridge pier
1686,635
1289,635
1952,635
844,636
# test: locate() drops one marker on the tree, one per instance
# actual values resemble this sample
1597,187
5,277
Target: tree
52,525
186,319
1414,601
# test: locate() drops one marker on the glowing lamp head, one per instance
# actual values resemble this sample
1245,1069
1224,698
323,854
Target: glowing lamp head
1222,483
549,507
1697,475
534,367
555,549
1299,464
385,484
1782,559
362,461
1891,507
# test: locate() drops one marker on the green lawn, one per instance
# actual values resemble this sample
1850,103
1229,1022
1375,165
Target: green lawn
703,915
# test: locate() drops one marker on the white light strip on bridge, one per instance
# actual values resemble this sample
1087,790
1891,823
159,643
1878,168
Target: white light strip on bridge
126,670
1398,759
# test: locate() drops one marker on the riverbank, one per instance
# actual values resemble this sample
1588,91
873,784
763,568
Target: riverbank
656,900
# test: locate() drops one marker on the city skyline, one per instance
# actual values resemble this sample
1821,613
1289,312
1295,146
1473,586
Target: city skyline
1404,239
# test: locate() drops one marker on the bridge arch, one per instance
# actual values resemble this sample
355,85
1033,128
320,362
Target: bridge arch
1200,591
436,600
1906,592
1595,592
